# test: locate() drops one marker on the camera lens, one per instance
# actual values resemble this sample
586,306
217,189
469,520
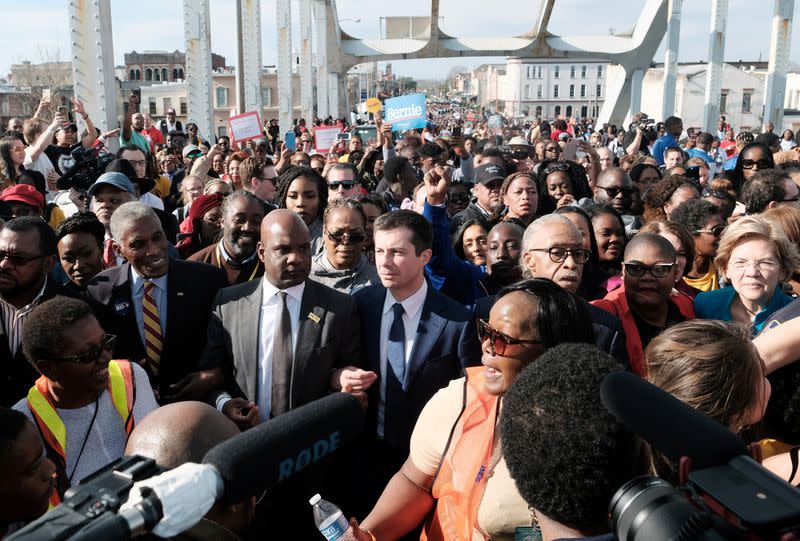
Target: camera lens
648,509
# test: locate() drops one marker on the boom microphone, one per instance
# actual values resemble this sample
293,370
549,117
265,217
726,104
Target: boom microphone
667,424
278,449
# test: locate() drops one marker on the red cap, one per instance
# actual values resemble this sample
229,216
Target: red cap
24,193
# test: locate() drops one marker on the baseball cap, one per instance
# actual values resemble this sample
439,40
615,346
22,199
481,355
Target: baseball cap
519,140
68,126
563,136
489,172
117,180
24,193
189,149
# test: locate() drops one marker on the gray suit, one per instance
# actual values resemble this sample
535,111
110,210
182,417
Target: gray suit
329,337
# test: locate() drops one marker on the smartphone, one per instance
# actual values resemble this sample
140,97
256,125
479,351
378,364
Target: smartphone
571,151
62,109
693,172
46,93
343,137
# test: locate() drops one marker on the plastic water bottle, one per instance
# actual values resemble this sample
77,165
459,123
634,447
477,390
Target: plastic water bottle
330,520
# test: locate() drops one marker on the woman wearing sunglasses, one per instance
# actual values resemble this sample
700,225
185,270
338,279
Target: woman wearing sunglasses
343,265
646,303
755,256
561,183
85,404
705,221
455,437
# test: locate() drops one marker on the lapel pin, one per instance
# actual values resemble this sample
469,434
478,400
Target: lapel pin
313,317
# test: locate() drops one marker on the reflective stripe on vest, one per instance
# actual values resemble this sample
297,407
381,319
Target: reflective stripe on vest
121,387
463,474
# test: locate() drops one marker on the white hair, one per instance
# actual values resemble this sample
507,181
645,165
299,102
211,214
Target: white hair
534,231
128,215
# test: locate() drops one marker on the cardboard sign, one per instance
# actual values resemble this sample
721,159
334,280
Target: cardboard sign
374,105
406,112
245,127
324,138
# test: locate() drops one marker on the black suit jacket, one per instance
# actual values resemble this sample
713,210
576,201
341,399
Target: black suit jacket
445,344
328,339
191,288
17,375
609,336
162,125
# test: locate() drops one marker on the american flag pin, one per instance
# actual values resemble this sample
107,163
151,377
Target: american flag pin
313,317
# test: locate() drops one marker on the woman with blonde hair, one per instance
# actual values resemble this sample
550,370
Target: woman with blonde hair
217,186
787,219
713,367
755,256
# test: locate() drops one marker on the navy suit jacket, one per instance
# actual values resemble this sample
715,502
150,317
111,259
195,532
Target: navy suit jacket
445,344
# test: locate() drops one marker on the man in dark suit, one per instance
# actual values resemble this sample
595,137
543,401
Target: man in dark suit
415,338
157,307
281,342
170,123
27,255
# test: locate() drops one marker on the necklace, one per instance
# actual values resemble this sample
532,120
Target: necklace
85,439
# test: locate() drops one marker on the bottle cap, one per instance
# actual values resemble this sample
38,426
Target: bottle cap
315,499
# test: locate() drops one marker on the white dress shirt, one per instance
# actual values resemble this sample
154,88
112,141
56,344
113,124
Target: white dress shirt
412,313
267,320
159,296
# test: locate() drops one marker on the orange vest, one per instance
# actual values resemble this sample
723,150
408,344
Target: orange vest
121,386
461,479
615,302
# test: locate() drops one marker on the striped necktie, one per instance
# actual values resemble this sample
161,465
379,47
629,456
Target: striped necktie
153,340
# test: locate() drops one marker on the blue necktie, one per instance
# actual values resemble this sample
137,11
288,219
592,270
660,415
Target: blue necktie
394,416
396,349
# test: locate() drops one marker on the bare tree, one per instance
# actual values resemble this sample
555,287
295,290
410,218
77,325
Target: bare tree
48,73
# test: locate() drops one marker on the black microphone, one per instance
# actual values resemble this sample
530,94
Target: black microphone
667,424
278,449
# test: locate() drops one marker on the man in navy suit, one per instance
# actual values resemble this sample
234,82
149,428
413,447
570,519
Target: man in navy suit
414,338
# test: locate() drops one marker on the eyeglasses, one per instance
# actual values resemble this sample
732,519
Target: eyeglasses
614,192
551,149
342,236
498,342
762,164
559,255
763,265
274,179
717,231
346,184
719,193
638,270
91,355
138,163
18,260
558,166
791,199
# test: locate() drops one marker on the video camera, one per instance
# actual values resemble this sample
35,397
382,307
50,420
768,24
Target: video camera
90,163
107,505
723,493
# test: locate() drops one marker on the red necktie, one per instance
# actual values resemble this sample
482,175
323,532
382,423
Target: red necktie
109,256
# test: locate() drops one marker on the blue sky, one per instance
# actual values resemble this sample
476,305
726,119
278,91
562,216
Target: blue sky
38,29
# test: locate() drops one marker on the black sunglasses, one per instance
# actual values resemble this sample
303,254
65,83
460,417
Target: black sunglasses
18,260
716,231
719,193
638,270
342,236
613,192
90,356
346,184
558,166
458,197
762,164
499,341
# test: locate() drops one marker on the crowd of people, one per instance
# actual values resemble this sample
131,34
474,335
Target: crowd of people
471,283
